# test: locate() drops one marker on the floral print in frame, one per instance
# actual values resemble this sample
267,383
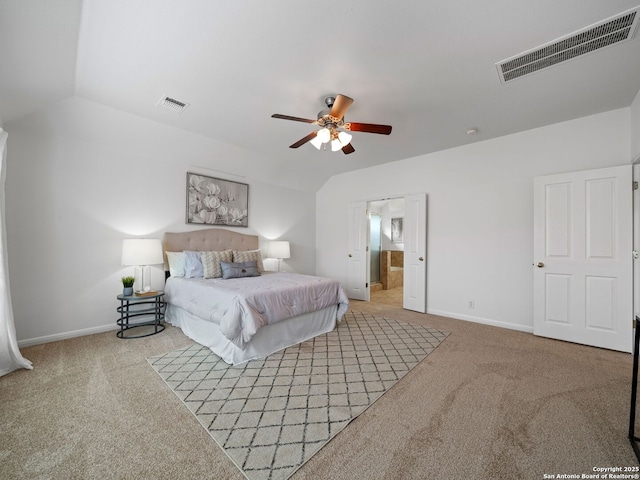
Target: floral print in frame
214,201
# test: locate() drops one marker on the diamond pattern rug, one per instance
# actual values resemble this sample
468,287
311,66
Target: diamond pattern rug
272,415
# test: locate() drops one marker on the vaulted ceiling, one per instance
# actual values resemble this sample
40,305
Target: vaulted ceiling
425,67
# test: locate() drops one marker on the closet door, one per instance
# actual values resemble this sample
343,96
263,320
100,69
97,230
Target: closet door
583,268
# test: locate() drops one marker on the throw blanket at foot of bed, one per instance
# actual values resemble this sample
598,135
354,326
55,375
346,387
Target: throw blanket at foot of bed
241,306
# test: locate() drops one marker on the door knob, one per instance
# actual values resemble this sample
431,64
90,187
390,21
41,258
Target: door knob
539,264
421,259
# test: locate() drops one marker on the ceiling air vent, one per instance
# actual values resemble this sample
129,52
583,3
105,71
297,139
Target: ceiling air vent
608,32
172,104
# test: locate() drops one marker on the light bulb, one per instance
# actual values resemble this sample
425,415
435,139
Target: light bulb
335,145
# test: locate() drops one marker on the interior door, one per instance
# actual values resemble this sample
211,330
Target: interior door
415,253
357,258
583,269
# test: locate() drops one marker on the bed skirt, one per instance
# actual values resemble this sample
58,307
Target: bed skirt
267,340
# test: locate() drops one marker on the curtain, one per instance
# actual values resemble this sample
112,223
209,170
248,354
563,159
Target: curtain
10,357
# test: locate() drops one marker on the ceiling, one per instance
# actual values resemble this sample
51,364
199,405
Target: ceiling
426,68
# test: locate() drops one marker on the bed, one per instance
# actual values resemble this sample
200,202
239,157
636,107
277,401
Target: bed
241,319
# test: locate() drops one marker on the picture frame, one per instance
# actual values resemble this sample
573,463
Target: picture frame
397,235
216,201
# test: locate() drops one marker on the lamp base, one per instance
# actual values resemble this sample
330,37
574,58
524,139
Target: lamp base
143,286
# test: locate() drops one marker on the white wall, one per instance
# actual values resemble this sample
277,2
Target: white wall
635,128
81,177
479,209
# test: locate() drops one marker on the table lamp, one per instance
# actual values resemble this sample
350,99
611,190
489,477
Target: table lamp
279,250
142,252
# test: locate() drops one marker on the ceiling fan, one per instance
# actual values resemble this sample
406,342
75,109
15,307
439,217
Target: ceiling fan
333,127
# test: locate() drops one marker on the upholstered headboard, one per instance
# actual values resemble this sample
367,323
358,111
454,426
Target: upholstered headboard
211,239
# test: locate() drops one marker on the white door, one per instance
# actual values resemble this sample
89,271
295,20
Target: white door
415,253
583,288
357,258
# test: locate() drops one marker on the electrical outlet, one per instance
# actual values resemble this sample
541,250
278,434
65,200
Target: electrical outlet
470,303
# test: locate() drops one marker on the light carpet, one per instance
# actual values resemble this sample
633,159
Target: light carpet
270,416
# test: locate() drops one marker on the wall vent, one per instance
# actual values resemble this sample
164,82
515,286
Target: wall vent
602,34
172,104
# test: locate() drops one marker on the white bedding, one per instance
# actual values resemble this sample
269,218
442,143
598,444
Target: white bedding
241,306
268,340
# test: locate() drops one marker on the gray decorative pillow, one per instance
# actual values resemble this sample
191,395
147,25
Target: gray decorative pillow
239,270
248,255
211,262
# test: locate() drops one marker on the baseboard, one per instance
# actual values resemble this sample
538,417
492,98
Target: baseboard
485,321
109,327
29,342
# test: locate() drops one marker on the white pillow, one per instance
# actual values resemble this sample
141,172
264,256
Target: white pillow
247,256
176,263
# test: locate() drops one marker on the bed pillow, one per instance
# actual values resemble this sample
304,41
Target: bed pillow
247,256
193,265
239,269
211,262
176,263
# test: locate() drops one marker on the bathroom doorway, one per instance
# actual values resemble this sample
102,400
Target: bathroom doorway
387,251
375,242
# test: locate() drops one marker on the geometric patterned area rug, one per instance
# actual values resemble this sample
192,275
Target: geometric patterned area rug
272,415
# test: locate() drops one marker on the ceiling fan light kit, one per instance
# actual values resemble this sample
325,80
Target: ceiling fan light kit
333,126
344,138
316,142
324,135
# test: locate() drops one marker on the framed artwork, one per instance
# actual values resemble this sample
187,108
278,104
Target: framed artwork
396,230
214,201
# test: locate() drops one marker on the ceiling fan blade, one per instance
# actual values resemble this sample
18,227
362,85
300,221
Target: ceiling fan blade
296,119
348,148
304,140
340,106
368,127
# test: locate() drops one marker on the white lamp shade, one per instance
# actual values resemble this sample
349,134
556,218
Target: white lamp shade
345,138
335,145
141,251
324,135
279,249
316,142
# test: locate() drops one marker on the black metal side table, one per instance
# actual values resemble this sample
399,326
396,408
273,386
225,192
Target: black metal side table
150,307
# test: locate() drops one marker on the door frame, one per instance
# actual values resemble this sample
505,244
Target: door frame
636,238
367,290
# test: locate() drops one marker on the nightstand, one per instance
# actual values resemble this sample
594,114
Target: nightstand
146,310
